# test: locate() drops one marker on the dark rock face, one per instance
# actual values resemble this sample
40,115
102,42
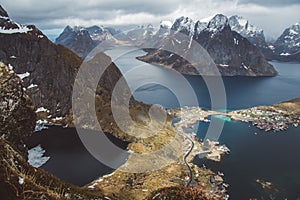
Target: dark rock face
77,39
48,69
233,54
19,180
17,119
3,13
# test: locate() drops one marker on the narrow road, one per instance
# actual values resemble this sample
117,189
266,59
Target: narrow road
188,166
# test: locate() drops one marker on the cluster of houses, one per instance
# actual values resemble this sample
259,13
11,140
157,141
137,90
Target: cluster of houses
268,120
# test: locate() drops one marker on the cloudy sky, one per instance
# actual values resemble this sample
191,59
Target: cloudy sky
53,15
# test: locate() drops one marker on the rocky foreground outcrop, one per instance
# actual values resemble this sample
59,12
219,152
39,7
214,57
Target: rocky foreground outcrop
17,119
19,180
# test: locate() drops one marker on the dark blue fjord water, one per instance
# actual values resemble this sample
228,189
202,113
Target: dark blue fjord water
241,92
254,154
270,156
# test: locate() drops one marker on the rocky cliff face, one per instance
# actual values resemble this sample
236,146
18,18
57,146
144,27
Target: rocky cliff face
47,70
19,180
233,54
17,119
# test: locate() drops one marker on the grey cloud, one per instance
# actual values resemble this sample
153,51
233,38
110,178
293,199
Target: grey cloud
85,9
272,3
56,14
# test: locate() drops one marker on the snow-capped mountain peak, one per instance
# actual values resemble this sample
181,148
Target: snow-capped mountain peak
289,41
243,27
95,30
74,29
200,26
218,23
184,25
295,29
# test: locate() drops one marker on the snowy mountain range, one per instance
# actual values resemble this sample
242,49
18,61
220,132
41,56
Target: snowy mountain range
286,48
233,54
82,40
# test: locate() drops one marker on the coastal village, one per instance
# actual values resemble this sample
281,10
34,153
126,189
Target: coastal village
267,119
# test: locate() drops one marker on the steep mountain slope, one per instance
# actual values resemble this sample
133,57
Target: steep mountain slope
287,46
77,39
253,34
47,70
247,30
233,54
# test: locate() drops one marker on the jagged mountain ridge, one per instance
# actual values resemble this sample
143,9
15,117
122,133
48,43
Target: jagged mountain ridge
243,27
232,53
77,39
146,34
82,40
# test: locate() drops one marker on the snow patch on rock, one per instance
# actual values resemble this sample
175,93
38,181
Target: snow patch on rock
42,124
24,75
20,29
21,180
